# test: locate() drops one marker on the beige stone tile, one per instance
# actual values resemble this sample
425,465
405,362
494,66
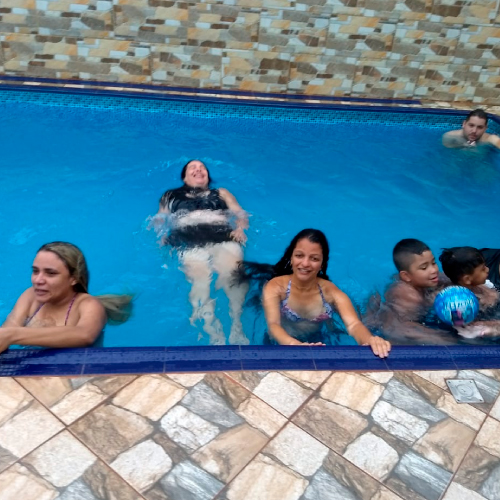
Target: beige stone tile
352,391
495,410
78,402
264,479
475,468
466,414
286,445
261,416
446,443
458,492
18,483
13,398
28,429
380,377
332,424
249,380
150,396
109,430
233,393
227,454
373,455
311,379
489,437
142,465
281,393
61,460
69,399
106,484
186,379
48,390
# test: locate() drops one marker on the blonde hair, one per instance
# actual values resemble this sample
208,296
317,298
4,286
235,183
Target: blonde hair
118,307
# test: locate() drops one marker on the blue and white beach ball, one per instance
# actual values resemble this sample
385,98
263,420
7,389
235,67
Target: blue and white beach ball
456,306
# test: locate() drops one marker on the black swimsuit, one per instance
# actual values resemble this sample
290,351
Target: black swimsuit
187,199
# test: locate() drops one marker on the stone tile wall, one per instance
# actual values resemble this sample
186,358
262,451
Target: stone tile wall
431,49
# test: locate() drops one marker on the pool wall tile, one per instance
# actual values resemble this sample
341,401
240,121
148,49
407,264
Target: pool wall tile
33,362
136,360
124,360
277,358
202,358
347,358
263,45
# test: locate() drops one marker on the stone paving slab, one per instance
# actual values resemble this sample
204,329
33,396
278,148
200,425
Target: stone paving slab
250,435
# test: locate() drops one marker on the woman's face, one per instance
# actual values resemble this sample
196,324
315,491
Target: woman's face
196,175
50,278
307,258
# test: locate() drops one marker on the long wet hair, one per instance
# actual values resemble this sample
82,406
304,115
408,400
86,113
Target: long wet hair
284,265
255,271
118,307
184,169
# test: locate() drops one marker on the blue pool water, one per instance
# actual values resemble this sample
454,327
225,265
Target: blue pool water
91,171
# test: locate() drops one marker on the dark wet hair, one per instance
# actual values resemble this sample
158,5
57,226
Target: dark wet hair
184,169
405,250
479,113
260,273
284,265
459,261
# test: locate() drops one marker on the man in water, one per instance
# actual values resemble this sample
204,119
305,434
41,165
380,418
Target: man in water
472,133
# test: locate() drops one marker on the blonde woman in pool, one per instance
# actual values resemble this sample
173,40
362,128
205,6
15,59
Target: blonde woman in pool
207,242
57,310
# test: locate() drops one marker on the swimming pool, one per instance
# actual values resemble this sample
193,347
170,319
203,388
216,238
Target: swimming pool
94,167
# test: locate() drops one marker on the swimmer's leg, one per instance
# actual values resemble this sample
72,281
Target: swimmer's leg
196,267
226,257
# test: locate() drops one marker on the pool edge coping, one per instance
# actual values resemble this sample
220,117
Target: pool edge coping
141,360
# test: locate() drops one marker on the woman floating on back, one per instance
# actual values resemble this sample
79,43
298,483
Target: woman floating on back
57,310
300,299
207,230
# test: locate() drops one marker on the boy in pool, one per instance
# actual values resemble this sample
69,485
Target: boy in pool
472,133
409,299
466,266
492,261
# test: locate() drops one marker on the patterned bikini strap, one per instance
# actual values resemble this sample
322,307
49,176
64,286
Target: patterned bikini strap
69,308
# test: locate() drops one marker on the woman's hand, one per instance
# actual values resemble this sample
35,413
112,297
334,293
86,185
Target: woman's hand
380,347
239,235
298,342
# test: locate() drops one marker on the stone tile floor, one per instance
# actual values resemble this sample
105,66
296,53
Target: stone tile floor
249,435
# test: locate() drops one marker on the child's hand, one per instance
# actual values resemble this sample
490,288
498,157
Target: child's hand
474,331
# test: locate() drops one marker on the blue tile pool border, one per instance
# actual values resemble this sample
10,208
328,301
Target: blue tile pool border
137,360
226,97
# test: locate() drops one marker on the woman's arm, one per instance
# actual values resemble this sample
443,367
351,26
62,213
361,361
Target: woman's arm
20,312
353,324
90,324
271,298
241,216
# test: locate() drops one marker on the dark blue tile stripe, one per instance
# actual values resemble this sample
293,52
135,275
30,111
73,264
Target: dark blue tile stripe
191,90
130,360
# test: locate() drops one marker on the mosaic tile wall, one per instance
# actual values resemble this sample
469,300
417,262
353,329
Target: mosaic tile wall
432,49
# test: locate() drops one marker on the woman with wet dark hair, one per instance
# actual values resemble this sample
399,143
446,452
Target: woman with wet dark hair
207,228
299,301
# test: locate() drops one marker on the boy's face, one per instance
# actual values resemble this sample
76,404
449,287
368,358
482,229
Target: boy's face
476,278
423,271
